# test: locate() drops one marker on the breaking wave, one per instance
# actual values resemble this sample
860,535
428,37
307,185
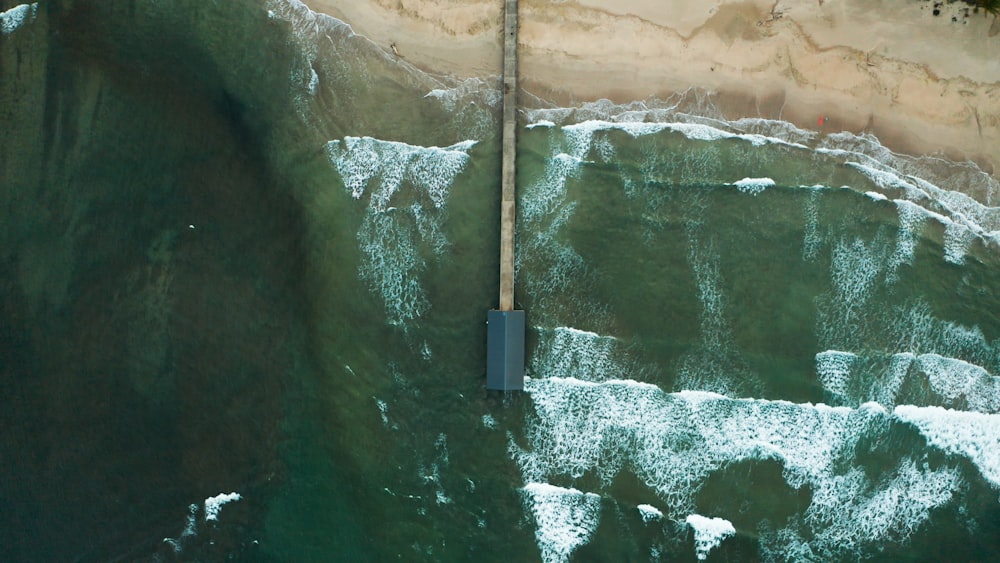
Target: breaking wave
673,442
407,188
14,18
565,518
890,371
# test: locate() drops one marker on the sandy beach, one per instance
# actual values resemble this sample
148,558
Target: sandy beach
922,83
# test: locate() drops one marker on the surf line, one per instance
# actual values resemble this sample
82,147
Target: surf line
505,325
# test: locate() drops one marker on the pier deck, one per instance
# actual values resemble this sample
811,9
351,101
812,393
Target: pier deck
505,333
508,172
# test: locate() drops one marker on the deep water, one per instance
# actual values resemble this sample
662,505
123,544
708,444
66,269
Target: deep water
245,251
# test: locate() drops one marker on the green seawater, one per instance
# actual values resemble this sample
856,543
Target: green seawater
244,250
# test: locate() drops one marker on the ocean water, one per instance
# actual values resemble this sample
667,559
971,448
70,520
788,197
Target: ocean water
247,258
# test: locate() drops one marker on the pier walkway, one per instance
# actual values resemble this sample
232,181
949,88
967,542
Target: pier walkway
508,172
505,331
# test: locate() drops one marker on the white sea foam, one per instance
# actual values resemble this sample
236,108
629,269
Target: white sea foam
586,426
472,105
313,86
674,441
709,533
851,510
692,112
555,115
886,388
973,435
397,221
753,186
911,218
604,110
844,317
474,90
700,132
937,379
956,207
190,530
431,170
557,278
383,411
589,426
834,370
489,422
311,34
565,518
914,328
552,272
865,147
811,241
876,196
214,504
962,208
541,123
853,270
649,513
17,16
431,473
963,217
579,135
961,384
393,266
885,179
541,198
957,240
695,397
656,167
566,351
716,364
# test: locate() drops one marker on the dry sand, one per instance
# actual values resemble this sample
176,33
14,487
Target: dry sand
922,83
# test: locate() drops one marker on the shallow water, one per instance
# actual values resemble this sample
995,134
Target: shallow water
245,251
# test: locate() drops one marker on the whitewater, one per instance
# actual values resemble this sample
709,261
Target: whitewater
746,340
712,301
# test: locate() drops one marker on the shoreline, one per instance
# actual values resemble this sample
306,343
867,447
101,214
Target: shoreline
922,84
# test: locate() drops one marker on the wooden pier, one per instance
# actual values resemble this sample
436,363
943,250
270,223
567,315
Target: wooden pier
505,334
509,171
